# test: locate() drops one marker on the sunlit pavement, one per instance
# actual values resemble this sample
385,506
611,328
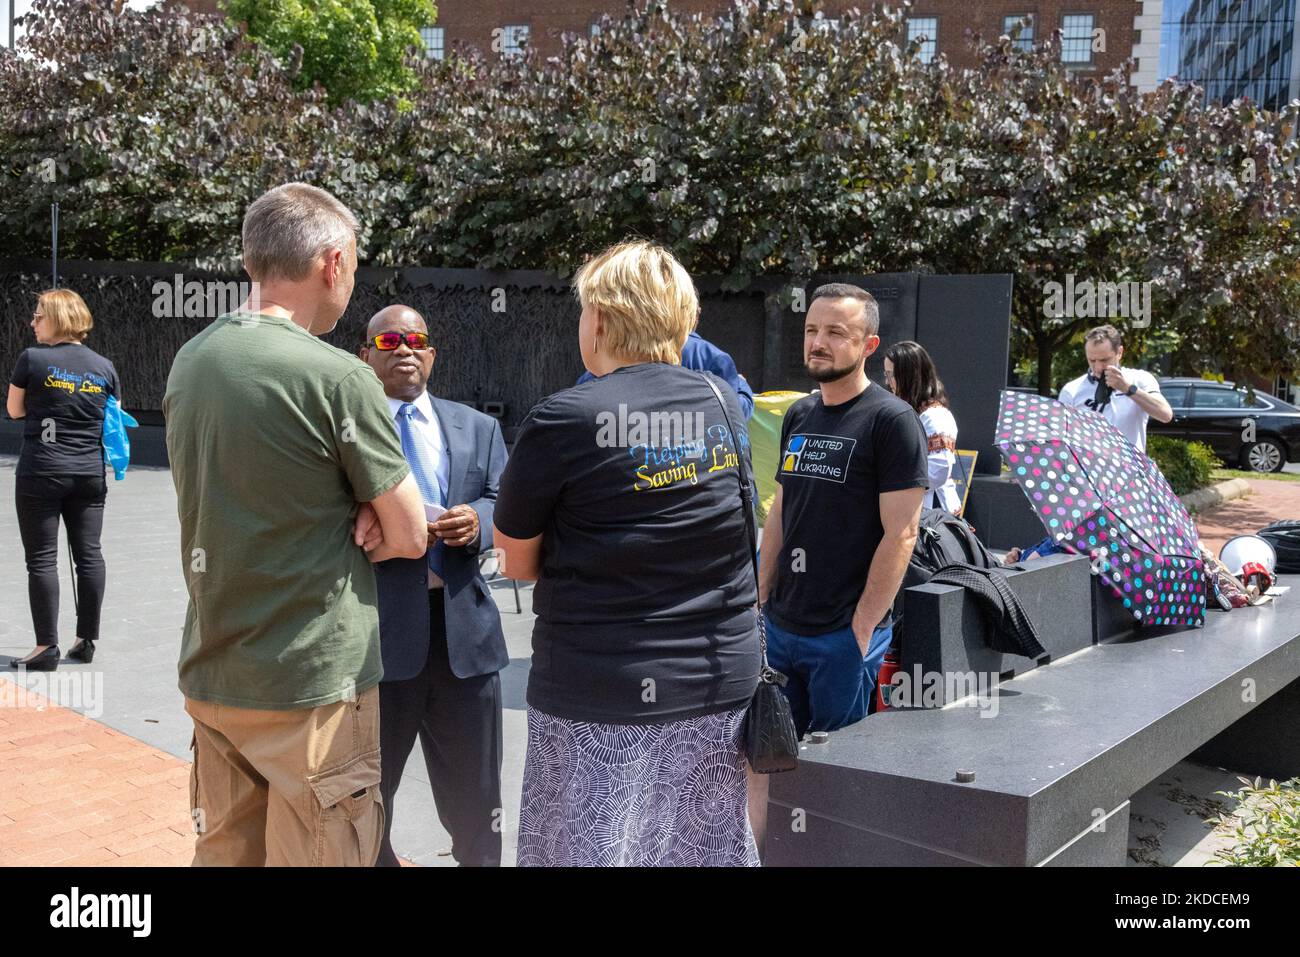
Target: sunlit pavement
131,686
99,775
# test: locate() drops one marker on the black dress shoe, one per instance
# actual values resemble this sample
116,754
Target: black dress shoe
47,660
83,651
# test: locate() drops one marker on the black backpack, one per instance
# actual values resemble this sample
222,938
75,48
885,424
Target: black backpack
1284,536
942,539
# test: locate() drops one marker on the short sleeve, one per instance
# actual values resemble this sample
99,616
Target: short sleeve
1147,382
900,452
1072,394
533,476
939,421
365,438
20,373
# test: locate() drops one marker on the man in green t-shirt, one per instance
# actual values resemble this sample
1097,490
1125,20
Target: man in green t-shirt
290,481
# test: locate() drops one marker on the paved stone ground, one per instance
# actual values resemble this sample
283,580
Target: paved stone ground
93,766
131,686
1268,501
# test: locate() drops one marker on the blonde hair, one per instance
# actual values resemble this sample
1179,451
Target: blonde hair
646,298
66,315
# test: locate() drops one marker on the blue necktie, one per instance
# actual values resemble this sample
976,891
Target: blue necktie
426,476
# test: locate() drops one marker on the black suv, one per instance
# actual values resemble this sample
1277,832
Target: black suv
1262,434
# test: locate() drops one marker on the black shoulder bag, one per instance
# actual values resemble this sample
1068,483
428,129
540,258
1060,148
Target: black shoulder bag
771,744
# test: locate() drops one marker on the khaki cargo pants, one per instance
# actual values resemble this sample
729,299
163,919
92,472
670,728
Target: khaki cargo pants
287,788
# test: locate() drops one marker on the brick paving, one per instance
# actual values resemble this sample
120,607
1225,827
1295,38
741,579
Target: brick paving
1268,501
135,697
78,793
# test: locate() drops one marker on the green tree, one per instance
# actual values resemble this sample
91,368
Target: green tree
355,49
757,142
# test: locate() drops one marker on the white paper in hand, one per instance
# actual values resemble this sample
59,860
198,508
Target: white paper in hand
433,512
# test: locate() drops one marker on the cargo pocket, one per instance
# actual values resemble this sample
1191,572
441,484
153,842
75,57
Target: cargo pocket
349,813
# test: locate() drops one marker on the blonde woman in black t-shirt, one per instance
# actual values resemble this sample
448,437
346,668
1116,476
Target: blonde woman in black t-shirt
61,387
621,499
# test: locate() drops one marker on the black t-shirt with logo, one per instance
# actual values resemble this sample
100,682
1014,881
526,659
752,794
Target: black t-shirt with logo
645,599
67,389
835,461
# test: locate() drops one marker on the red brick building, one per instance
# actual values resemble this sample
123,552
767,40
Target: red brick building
1128,28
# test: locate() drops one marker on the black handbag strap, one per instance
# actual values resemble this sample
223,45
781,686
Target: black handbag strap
747,507
746,490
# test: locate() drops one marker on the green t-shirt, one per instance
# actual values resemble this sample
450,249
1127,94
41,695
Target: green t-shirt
274,437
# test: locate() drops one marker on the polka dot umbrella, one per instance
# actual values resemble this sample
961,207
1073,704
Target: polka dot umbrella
1097,495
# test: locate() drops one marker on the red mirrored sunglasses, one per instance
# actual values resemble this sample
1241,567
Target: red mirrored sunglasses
388,341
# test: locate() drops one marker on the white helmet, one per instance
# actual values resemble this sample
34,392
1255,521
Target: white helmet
1251,559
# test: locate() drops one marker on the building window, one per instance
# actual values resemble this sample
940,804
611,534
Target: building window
925,29
514,38
434,42
1025,41
1076,38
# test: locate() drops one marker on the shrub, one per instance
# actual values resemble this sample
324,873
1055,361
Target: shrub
1186,465
1266,827
750,143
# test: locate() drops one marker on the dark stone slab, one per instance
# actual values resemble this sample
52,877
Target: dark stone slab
148,442
1104,844
944,631
1066,745
962,322
1001,514
1110,619
1266,742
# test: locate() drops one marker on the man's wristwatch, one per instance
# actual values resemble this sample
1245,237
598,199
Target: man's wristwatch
1131,390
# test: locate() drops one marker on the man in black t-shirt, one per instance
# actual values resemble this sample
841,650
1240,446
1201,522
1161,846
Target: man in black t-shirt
851,477
850,480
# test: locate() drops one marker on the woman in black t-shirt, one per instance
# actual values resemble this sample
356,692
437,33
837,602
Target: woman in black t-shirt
61,387
622,499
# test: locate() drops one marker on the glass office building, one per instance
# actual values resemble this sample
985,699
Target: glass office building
1233,48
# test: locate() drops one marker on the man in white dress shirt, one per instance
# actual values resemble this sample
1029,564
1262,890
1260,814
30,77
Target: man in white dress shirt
1134,394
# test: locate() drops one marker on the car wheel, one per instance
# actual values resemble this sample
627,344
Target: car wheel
1263,456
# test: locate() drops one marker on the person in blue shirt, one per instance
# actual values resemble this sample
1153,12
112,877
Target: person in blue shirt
699,353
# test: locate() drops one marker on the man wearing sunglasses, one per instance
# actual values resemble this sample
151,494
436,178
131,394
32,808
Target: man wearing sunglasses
440,631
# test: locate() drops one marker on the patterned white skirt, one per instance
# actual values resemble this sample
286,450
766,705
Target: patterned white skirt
652,795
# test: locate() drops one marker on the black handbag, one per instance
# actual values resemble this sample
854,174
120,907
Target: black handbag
771,743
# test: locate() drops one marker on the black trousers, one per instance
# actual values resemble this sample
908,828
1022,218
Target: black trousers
79,500
458,722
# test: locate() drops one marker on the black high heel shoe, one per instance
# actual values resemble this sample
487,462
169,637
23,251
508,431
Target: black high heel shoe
83,651
47,660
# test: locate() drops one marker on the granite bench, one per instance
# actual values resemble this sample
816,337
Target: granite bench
1038,768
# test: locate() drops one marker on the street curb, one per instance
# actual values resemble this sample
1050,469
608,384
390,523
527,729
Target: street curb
1215,495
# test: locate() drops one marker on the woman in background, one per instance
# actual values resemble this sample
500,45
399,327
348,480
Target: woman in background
910,374
60,386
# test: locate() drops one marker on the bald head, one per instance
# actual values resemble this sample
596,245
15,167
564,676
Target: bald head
395,318
404,370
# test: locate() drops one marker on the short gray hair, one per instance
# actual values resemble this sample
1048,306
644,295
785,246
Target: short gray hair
846,290
286,230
